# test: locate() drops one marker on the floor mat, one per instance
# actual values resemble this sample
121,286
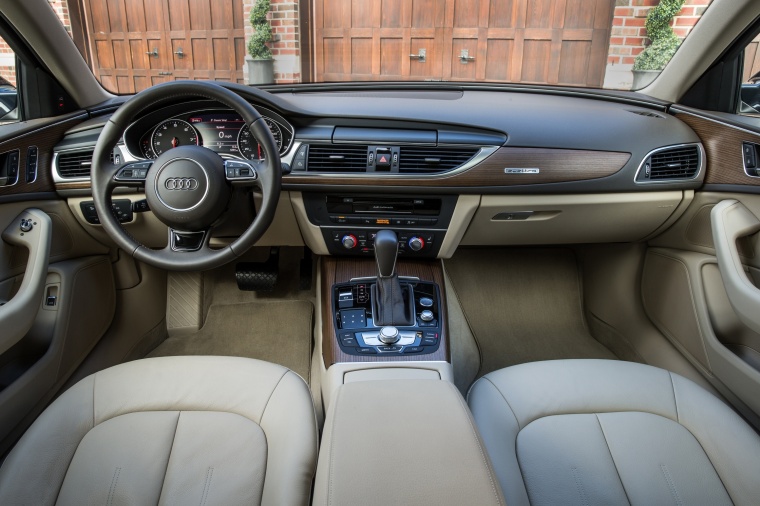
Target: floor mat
278,332
523,305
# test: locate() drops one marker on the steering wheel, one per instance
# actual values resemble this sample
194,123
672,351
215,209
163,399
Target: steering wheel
188,188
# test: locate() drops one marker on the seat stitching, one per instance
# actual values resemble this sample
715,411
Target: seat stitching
675,399
579,485
207,485
604,435
519,427
671,485
263,411
489,469
332,445
112,488
171,448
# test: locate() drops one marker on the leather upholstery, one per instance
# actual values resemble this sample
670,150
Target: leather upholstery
402,442
608,432
171,430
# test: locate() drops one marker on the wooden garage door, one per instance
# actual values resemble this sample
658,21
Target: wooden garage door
530,41
138,43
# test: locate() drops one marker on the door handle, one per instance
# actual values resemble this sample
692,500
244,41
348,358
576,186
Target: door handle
730,220
420,56
32,229
179,53
153,53
464,56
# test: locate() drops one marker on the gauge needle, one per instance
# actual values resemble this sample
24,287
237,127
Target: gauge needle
258,147
175,142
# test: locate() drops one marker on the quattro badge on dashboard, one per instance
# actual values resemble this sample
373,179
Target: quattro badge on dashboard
521,171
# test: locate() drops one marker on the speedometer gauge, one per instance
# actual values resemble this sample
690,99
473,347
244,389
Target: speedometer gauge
249,147
172,133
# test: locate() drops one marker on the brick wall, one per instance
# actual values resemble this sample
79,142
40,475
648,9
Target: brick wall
629,37
286,47
7,59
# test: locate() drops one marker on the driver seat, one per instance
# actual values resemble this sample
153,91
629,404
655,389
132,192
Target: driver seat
170,430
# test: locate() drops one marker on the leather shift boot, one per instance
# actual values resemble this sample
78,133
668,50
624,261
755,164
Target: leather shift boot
392,304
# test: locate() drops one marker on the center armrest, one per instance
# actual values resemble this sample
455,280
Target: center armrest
402,442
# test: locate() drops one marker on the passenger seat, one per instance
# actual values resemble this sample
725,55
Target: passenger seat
592,432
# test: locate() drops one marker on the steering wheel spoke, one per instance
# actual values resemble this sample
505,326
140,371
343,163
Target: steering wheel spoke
131,174
187,242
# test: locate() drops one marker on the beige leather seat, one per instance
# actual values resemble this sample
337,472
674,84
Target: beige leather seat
173,430
606,432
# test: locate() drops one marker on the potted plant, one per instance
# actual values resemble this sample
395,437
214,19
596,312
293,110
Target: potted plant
259,62
663,43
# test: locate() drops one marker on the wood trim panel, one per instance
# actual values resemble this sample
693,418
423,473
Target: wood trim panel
339,270
45,138
556,166
723,149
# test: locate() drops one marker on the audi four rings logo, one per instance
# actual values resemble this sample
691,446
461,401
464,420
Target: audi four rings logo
181,183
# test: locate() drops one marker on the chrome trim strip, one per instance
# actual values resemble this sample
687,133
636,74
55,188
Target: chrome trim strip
18,169
701,154
414,279
479,157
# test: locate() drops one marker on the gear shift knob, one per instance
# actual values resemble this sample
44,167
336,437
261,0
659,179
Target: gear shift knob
386,249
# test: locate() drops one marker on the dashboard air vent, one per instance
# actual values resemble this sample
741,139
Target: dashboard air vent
681,162
76,164
339,158
424,160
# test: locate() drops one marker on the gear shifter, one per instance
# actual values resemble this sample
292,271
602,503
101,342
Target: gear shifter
392,304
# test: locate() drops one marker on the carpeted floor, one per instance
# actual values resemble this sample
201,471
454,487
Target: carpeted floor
275,331
523,305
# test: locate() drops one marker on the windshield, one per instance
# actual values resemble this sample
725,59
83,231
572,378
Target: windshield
617,44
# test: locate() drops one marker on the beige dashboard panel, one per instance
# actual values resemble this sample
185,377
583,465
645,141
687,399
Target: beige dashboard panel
571,219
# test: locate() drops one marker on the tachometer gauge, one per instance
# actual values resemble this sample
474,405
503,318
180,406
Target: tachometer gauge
172,133
249,147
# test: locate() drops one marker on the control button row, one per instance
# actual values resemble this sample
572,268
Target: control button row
240,171
379,221
121,209
133,172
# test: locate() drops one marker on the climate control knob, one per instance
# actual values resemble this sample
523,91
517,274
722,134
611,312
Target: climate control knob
349,241
416,243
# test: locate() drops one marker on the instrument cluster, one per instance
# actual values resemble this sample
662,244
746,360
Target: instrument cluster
222,131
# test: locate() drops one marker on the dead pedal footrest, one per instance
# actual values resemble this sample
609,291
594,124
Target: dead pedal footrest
258,276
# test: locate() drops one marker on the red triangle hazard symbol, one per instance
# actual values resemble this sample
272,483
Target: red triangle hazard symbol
383,159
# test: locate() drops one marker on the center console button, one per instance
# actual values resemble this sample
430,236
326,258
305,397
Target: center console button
426,302
427,315
367,351
426,341
389,349
413,349
349,342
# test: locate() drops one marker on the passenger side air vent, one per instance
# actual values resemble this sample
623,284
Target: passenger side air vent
337,158
76,164
672,163
424,160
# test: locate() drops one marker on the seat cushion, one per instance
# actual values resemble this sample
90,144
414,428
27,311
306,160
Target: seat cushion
609,432
171,430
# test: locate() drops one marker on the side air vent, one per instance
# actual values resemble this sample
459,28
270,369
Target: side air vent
422,160
672,163
339,158
75,164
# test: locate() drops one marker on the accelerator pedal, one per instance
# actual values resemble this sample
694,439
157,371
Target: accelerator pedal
259,276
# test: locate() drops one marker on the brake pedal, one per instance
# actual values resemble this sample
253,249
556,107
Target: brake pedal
259,276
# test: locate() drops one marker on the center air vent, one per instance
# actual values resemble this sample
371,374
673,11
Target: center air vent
75,164
338,158
671,164
424,160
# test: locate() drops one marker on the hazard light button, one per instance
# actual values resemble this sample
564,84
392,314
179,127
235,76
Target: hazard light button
383,158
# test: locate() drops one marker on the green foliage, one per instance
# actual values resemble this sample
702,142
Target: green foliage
664,40
262,31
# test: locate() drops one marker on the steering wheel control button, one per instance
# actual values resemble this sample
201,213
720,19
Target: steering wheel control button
26,225
133,172
389,335
121,209
140,206
243,171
